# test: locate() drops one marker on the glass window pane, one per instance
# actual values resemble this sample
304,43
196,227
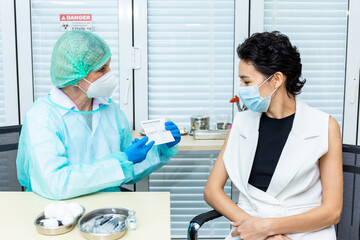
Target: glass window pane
319,30
2,80
45,19
185,177
190,57
190,72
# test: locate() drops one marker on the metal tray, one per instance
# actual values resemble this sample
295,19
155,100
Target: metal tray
61,229
210,134
121,213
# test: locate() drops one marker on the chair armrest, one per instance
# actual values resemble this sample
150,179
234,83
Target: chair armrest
198,221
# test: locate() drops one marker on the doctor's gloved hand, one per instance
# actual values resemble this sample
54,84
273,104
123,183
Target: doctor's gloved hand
137,151
174,131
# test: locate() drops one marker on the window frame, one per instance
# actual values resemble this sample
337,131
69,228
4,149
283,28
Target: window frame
352,63
25,56
9,63
140,41
351,103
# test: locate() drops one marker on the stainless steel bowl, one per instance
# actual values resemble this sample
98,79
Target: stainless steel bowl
53,230
199,122
222,125
121,213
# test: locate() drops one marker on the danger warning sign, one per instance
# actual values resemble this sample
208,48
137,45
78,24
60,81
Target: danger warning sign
75,22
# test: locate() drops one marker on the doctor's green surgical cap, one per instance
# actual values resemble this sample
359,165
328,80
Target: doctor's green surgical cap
75,55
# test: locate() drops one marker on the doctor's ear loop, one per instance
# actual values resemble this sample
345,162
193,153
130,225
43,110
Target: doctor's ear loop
77,85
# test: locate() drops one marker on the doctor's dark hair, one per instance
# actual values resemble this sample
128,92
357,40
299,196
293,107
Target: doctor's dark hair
272,52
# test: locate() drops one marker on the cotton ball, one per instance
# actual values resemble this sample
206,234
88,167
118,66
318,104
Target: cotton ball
49,211
59,213
62,205
67,219
50,222
62,211
75,209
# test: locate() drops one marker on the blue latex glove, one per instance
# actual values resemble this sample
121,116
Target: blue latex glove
174,131
137,151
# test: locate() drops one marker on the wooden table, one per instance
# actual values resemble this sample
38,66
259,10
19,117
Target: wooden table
19,209
188,143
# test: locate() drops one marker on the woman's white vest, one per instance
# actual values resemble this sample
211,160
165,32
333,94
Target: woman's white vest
295,186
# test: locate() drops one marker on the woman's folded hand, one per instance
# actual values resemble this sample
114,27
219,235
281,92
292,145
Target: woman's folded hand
252,229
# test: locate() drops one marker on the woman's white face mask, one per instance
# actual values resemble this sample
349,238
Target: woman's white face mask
102,87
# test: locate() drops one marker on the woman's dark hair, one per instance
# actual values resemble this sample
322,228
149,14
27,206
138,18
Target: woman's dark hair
272,52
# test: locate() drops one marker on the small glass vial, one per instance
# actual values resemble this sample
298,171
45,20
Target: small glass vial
132,220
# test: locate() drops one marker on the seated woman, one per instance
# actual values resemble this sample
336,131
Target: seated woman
284,156
75,140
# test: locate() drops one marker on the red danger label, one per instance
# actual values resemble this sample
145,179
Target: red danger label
75,17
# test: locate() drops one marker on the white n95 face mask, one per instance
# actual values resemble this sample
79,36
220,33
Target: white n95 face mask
103,87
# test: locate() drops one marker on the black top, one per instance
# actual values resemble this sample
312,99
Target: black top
273,134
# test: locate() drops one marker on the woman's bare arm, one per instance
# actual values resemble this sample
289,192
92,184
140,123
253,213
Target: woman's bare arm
214,194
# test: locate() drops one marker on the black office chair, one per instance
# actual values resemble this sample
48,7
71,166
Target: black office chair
347,228
9,138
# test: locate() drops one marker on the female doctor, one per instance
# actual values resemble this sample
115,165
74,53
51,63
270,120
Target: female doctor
284,156
75,140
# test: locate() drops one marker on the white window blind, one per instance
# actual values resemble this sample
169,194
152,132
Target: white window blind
45,18
2,82
190,72
185,177
319,29
190,59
